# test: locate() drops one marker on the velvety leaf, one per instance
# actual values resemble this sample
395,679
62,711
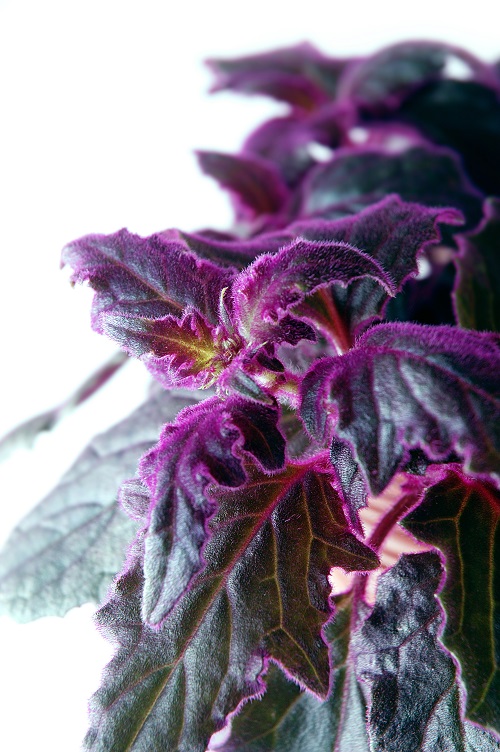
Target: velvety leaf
394,233
357,177
144,277
350,479
381,82
203,445
405,386
288,720
66,551
299,75
24,435
461,516
284,141
263,592
477,289
414,695
465,116
255,181
181,353
230,252
264,294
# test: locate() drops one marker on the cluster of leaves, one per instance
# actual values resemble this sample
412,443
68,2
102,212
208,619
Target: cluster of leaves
345,333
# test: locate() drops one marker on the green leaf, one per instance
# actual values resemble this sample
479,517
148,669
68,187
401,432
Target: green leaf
477,287
289,720
67,550
461,516
263,593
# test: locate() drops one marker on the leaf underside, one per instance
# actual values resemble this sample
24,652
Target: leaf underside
68,549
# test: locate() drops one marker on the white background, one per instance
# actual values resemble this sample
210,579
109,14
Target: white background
102,103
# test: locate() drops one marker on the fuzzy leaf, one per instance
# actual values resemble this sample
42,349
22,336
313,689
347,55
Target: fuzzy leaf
350,479
299,75
414,694
461,516
405,386
288,720
381,82
181,353
224,250
264,294
144,277
357,177
284,142
66,551
477,288
394,233
263,592
201,446
255,181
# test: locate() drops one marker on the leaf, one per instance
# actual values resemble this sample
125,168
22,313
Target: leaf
231,252
299,75
255,181
24,435
464,116
382,81
205,444
405,386
263,593
477,287
264,294
285,142
392,232
358,177
180,353
66,551
461,516
350,480
412,684
146,278
288,720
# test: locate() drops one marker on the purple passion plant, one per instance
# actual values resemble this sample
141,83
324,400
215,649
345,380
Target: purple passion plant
329,377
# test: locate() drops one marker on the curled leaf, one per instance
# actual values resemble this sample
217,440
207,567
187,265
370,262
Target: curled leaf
406,386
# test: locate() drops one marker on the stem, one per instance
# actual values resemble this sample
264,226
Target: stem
389,519
336,327
24,435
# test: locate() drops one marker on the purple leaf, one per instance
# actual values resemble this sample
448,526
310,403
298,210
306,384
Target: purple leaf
394,233
425,175
464,116
299,75
228,251
181,353
256,183
284,141
461,516
67,550
350,479
406,386
381,82
264,294
288,720
263,592
414,694
144,277
205,444
477,288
